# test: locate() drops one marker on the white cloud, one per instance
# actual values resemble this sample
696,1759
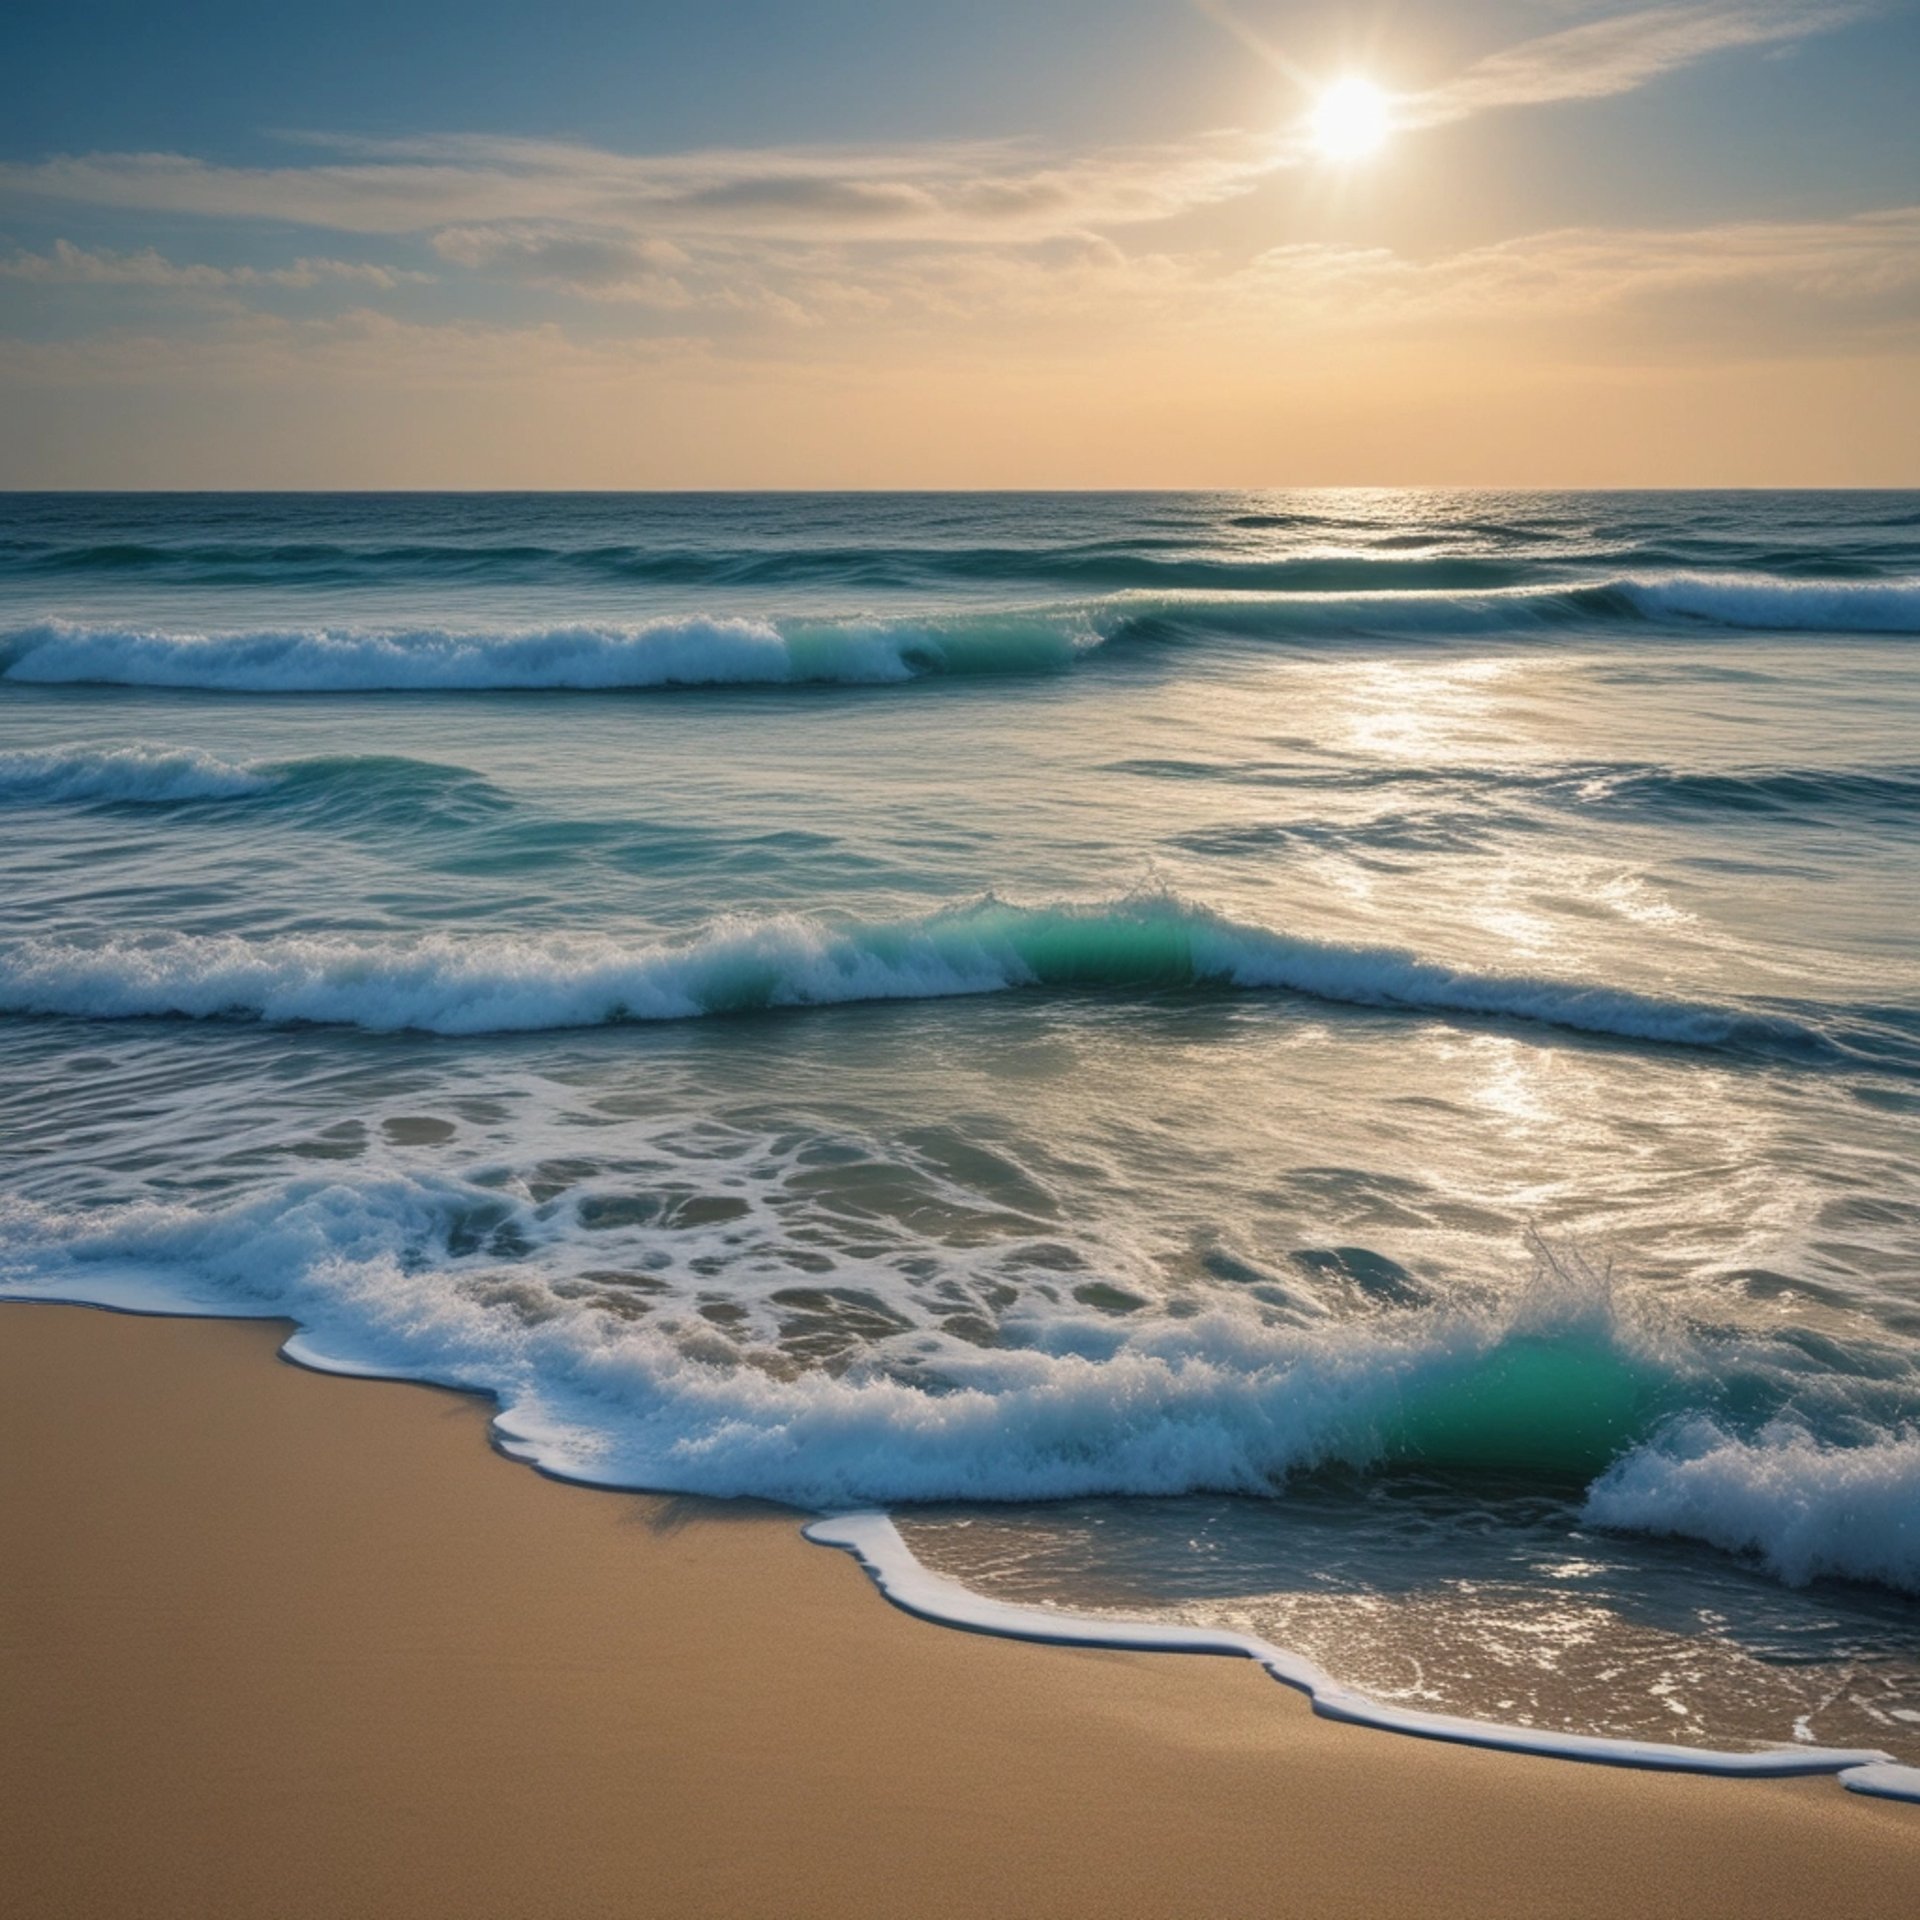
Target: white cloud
64,264
1618,54
975,250
943,191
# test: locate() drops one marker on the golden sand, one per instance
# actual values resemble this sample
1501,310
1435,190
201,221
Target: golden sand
278,1644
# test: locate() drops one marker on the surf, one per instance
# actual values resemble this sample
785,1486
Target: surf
1715,1435
762,650
664,653
140,774
517,983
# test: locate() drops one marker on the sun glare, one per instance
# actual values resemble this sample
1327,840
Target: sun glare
1350,120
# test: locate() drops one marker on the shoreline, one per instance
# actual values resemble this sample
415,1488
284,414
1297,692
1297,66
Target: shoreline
277,1641
875,1542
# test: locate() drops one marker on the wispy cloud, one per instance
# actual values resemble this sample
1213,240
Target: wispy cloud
65,264
813,286
934,191
361,349
1810,285
1783,288
1618,54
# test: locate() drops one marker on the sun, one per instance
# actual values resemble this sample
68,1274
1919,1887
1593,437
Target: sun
1350,120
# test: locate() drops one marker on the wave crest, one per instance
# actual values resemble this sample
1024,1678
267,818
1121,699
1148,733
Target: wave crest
713,651
519,983
665,653
1790,606
1808,1509
134,775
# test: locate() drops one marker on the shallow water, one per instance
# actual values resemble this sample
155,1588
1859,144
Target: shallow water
1079,1002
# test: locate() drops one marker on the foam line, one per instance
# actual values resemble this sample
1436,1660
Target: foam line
875,1542
614,1406
378,1272
1884,1780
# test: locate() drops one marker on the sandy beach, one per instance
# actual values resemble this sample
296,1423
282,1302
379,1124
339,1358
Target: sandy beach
274,1643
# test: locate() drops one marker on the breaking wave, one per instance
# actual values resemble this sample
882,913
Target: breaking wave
393,791
1805,1507
516,983
1091,567
761,651
139,774
446,1280
1786,606
665,653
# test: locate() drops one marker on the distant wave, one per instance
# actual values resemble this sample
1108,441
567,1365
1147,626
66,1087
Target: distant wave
1350,557
382,789
139,775
1790,606
725,650
667,653
517,983
1093,567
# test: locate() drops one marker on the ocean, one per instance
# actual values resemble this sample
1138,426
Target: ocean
1333,1067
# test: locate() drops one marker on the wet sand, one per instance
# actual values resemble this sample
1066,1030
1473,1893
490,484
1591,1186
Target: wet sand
278,1644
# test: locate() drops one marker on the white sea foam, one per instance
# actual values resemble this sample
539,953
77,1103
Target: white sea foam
446,1280
876,1543
468,1283
1807,1508
135,774
514,983
1883,1780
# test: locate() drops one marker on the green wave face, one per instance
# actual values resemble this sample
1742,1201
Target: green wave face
1564,1407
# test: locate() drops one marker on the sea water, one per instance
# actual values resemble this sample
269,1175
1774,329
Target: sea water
1337,1066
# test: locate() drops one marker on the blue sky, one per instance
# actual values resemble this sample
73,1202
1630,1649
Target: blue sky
867,243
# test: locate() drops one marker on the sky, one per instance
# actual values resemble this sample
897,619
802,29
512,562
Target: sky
1011,243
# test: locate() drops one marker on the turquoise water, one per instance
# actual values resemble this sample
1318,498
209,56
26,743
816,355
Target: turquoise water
1346,1062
